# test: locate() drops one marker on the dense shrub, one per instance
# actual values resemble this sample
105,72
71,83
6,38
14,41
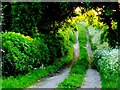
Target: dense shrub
54,47
22,53
95,39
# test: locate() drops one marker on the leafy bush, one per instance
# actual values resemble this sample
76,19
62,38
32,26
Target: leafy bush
22,53
65,33
41,49
111,38
95,35
53,46
90,17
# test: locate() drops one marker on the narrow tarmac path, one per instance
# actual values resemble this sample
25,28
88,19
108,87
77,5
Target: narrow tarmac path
92,78
53,81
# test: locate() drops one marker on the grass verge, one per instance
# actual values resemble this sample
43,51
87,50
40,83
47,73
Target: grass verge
78,70
24,81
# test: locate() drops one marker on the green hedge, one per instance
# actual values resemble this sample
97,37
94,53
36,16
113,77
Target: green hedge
22,53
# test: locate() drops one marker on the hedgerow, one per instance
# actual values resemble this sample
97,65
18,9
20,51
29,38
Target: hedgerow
51,59
105,59
22,53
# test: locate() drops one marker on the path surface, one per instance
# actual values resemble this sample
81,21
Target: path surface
76,46
92,78
89,50
52,82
